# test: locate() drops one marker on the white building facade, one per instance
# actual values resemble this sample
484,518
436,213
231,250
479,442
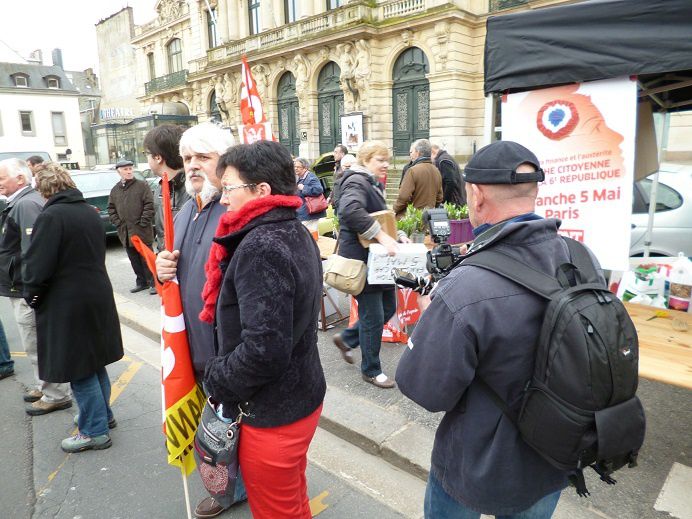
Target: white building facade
39,112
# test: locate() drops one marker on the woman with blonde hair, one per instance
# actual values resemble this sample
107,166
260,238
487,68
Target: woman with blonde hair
66,282
360,194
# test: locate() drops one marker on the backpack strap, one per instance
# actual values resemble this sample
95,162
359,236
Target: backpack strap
580,258
542,284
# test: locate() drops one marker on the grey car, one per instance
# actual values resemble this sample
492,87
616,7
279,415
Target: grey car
672,229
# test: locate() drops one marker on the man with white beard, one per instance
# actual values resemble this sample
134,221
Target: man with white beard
194,227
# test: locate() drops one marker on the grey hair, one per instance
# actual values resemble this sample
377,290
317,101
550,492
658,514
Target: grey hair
206,138
348,160
303,161
16,167
423,147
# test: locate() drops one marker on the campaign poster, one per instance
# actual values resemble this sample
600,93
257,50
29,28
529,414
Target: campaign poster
352,131
583,134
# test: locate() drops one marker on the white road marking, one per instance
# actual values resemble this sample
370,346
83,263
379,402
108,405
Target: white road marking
675,497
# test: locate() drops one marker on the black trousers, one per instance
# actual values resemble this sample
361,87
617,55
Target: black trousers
139,266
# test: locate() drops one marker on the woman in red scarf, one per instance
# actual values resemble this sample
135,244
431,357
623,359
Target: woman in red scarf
263,291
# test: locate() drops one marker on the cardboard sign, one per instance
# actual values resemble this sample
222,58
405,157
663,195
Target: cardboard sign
411,258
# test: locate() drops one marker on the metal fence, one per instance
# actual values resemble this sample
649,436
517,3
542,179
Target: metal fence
499,5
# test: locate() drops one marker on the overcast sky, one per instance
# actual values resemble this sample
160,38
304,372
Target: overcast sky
64,24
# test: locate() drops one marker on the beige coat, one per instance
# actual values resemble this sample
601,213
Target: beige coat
422,187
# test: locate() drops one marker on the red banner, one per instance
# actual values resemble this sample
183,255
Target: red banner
407,313
183,400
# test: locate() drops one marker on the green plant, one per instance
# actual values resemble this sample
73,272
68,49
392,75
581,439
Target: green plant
456,212
412,221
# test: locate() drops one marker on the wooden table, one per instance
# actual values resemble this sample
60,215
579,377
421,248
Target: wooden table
665,353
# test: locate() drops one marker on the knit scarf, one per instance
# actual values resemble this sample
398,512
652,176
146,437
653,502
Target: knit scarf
231,222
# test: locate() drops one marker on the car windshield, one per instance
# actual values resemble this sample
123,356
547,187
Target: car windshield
99,180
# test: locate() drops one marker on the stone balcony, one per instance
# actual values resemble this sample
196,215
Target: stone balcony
344,17
166,82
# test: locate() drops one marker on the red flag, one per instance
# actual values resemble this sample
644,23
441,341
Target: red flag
251,109
183,400
255,126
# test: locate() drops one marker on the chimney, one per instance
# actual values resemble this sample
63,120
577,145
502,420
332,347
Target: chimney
36,57
57,58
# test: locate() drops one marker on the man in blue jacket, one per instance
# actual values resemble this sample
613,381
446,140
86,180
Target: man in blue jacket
480,325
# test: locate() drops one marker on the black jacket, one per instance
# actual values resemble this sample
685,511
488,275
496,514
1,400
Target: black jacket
266,322
131,210
452,183
359,195
16,225
178,198
76,321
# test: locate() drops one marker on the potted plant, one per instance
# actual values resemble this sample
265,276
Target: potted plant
412,224
459,223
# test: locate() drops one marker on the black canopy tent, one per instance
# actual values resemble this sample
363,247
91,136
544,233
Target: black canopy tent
597,39
591,40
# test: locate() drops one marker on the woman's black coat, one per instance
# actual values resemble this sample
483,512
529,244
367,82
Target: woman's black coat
65,280
266,322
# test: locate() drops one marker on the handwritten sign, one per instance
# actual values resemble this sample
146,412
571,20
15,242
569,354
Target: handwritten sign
411,258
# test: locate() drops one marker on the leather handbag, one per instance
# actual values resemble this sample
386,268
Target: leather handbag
316,204
216,450
345,274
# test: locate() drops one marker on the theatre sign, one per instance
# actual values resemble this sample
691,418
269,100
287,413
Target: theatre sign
107,114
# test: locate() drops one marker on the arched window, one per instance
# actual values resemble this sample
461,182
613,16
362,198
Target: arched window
175,56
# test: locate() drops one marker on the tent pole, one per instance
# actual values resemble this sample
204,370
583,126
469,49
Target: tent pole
663,146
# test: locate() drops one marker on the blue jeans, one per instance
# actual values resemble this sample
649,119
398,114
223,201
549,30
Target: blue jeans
440,505
374,309
93,394
6,362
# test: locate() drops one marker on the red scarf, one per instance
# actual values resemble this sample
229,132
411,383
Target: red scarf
230,222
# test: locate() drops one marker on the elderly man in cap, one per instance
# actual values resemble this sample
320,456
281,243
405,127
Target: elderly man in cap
482,326
131,210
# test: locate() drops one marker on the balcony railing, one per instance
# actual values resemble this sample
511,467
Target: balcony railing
165,82
499,5
344,16
402,8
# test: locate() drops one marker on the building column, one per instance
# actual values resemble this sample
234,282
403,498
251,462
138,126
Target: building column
318,6
231,13
266,18
222,21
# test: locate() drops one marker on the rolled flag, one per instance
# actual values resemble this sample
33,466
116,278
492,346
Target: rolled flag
182,398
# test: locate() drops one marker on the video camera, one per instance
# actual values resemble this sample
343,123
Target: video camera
442,258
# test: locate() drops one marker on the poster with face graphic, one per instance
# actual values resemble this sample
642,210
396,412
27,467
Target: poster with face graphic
583,135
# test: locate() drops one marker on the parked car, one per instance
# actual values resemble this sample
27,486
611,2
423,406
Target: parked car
96,187
672,228
323,168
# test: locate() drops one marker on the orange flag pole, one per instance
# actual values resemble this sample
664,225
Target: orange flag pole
183,400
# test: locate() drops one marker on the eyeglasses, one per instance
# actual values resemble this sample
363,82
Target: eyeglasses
228,188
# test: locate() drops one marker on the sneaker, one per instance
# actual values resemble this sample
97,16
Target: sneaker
152,291
346,352
79,443
41,407
6,373
112,424
32,395
208,507
381,381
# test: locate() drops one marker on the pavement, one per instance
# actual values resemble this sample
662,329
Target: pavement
385,424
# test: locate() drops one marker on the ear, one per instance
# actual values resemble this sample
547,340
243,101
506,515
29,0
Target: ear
478,194
264,189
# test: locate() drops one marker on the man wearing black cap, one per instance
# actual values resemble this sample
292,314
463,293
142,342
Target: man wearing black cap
131,210
480,325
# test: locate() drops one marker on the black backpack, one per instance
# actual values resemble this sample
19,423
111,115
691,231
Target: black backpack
579,409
